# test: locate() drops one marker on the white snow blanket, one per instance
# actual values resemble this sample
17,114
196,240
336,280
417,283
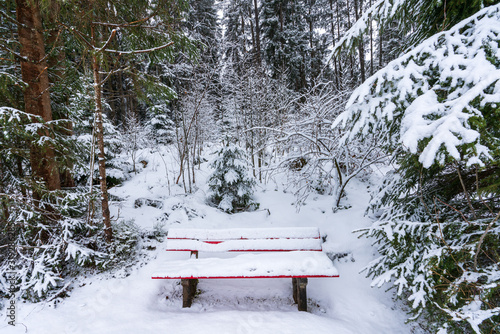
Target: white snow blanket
244,233
245,245
290,264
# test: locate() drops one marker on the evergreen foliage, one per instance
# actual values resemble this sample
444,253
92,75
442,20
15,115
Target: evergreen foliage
437,228
185,78
160,126
231,188
45,235
430,17
237,37
48,235
290,43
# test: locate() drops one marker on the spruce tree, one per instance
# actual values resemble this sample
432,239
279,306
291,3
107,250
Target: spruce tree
435,109
52,233
231,188
238,35
290,45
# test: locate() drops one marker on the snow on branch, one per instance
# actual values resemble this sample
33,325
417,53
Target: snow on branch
140,51
428,99
380,11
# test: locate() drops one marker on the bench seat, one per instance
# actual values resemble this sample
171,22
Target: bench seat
244,245
244,233
244,240
293,252
267,265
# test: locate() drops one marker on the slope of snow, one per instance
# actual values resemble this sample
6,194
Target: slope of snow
129,301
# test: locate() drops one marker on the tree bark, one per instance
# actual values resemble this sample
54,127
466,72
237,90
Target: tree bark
358,8
55,64
380,42
351,58
334,40
338,36
257,34
100,144
371,44
36,94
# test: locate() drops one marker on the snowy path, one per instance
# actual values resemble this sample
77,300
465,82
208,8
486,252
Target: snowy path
134,303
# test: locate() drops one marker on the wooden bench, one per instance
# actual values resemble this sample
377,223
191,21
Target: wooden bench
281,252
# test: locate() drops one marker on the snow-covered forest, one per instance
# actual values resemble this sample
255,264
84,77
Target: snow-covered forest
377,121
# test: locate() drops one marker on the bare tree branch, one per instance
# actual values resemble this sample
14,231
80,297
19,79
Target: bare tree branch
140,51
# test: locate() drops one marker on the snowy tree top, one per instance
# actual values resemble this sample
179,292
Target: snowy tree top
381,10
432,93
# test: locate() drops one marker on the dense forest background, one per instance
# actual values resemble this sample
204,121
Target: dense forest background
322,90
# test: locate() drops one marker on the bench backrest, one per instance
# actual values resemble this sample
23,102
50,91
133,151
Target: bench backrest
244,239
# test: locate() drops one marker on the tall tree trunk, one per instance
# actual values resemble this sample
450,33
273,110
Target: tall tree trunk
100,143
371,43
4,199
357,10
254,46
55,63
334,40
351,58
36,94
311,25
380,51
257,34
338,36
243,44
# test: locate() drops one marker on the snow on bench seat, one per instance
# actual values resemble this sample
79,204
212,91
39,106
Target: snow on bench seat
244,240
269,265
245,245
244,233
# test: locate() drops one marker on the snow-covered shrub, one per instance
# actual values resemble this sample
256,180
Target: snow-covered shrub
46,236
135,138
438,254
160,127
81,104
126,235
49,240
231,187
436,110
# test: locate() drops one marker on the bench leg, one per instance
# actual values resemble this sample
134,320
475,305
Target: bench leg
294,289
301,284
188,291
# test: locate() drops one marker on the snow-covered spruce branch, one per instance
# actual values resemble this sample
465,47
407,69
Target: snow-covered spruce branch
133,24
483,236
381,12
12,20
14,115
362,25
474,318
108,42
405,94
112,72
430,258
14,53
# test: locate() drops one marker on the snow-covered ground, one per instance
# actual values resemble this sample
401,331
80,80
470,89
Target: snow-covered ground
129,301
